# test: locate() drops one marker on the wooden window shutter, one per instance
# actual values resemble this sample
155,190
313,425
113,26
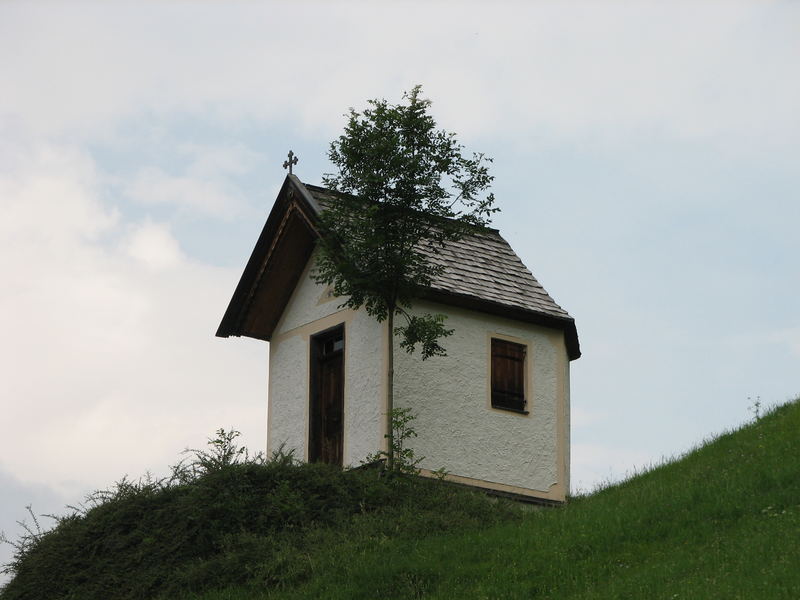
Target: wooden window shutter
508,375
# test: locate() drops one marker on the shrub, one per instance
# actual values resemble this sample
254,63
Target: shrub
221,518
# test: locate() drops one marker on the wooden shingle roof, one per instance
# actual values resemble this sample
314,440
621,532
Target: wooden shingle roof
481,272
484,265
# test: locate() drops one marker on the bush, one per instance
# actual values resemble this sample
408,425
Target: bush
223,518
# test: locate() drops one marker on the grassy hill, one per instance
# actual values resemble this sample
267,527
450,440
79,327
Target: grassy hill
721,522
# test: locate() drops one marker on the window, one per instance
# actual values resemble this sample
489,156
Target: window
508,375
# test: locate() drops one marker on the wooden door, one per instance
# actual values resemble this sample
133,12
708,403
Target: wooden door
326,423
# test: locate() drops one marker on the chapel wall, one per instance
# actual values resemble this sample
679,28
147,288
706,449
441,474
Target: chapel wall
311,310
457,428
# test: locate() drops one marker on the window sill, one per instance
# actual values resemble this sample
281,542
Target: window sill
513,410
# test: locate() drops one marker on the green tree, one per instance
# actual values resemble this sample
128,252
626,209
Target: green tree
405,190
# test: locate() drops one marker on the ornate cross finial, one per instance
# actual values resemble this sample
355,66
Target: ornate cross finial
292,161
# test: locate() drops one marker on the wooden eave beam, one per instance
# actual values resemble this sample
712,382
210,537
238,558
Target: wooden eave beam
293,202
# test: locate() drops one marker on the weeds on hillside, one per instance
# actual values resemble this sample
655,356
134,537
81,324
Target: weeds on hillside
755,407
405,460
223,517
32,533
223,452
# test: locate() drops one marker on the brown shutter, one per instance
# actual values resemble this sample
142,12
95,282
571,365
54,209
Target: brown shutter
508,375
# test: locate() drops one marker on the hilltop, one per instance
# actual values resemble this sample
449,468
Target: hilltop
723,521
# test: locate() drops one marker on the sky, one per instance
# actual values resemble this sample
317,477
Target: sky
646,166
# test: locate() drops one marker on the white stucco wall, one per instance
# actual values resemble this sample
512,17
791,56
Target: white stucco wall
310,311
458,430
567,428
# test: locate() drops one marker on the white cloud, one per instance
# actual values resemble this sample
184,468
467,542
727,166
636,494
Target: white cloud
48,195
153,245
154,186
581,417
604,71
788,338
792,338
595,464
110,365
218,160
204,185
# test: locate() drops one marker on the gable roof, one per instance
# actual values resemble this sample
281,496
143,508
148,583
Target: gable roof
481,272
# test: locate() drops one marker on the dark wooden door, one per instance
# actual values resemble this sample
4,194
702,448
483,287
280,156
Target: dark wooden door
326,435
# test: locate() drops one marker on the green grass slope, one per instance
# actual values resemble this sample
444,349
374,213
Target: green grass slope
722,522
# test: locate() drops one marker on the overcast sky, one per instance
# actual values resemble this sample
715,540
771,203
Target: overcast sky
646,163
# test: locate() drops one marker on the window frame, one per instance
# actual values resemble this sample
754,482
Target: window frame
525,375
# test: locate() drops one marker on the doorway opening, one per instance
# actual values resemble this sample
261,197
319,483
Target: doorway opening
326,414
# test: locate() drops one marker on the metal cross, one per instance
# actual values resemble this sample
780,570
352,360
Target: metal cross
292,161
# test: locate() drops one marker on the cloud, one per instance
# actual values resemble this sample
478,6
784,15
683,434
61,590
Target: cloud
595,464
154,186
574,70
111,362
788,337
203,186
153,245
49,196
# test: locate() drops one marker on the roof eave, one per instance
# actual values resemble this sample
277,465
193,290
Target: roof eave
565,323
292,190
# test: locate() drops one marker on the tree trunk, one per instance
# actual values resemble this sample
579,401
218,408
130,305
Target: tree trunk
390,390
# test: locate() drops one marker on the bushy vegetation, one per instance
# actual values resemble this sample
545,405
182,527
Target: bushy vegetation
223,519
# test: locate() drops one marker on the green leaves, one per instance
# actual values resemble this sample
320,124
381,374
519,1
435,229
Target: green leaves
424,330
403,456
405,188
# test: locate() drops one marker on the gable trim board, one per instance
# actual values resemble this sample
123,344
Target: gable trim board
280,256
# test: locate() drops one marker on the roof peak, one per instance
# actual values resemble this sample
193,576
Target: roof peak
323,190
